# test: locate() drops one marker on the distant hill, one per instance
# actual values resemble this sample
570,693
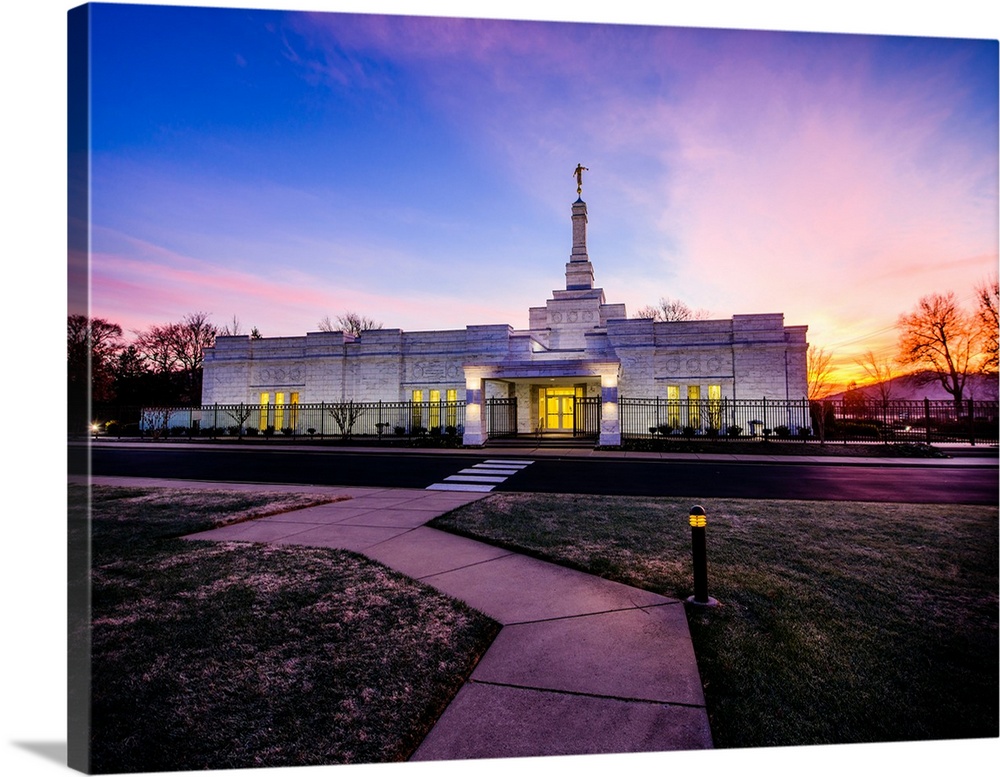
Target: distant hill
918,386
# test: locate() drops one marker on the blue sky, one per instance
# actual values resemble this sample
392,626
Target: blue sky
280,167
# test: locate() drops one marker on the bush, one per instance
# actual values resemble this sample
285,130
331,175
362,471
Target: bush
734,431
310,431
269,431
782,431
287,431
665,429
805,431
250,431
689,431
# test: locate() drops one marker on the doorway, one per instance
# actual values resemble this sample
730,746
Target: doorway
557,408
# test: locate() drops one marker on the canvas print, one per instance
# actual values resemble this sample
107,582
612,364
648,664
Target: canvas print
454,389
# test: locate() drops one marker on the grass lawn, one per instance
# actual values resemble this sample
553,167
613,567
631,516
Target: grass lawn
839,622
228,655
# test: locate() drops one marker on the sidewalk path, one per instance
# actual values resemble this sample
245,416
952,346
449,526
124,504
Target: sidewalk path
582,665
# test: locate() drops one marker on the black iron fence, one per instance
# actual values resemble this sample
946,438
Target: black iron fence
344,420
501,417
587,417
723,419
846,421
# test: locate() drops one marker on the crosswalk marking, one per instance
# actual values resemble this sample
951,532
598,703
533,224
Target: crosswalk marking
457,487
481,477
475,478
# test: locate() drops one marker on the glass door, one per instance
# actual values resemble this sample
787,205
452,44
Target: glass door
558,406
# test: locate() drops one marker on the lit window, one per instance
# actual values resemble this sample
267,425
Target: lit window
434,411
279,409
715,406
416,412
265,401
674,406
451,411
694,406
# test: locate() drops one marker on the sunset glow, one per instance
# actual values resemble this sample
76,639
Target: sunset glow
281,167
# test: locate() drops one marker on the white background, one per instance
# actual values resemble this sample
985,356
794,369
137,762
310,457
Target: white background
33,662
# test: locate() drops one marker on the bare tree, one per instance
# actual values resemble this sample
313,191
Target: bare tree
880,370
819,369
92,344
231,328
987,296
672,310
349,322
179,348
939,336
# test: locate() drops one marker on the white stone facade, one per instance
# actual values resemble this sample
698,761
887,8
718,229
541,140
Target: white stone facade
575,346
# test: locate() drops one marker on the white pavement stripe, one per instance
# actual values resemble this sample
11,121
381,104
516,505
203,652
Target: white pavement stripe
476,478
477,470
458,487
510,462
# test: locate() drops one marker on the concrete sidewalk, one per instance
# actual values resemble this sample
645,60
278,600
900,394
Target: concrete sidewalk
582,665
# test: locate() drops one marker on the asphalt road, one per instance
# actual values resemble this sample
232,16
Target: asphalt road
926,483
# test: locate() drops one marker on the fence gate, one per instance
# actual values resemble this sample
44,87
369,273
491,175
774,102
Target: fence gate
587,417
501,417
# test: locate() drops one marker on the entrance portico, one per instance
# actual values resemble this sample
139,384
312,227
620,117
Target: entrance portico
550,398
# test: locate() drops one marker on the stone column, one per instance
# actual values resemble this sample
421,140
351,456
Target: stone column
611,431
475,409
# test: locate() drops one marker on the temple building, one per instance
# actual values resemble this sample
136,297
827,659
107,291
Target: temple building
569,368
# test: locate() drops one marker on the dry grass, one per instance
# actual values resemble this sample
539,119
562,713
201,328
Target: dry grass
229,655
840,622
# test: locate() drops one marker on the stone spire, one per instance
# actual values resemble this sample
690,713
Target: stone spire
579,270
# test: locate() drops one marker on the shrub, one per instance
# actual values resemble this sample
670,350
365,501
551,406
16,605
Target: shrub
251,431
310,431
734,431
782,431
665,429
287,431
269,431
712,432
399,431
689,431
805,431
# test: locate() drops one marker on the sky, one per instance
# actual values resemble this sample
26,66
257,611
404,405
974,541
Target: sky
279,167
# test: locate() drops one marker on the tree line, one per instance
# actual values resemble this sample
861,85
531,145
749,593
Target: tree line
160,365
939,341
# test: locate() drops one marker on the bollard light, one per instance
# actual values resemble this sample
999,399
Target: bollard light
699,522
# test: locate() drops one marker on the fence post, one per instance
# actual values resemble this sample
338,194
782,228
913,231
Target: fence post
927,420
972,423
322,417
